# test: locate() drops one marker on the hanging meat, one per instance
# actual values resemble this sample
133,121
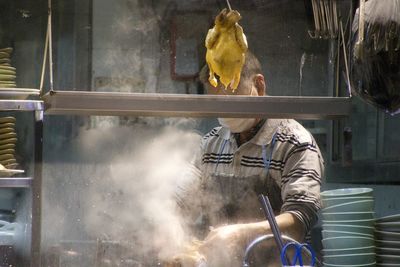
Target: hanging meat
375,69
226,48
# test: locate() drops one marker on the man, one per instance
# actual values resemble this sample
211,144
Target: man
246,157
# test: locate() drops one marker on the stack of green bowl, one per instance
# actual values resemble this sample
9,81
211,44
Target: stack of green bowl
7,72
348,227
387,235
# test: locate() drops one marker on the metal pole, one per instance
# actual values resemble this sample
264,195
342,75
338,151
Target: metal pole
46,47
37,192
50,49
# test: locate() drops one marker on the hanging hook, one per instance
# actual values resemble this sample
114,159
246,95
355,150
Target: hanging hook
229,5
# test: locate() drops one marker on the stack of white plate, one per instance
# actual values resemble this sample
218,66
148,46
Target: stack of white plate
387,235
348,227
7,72
8,139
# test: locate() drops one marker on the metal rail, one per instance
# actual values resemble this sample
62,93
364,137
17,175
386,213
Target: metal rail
20,105
184,105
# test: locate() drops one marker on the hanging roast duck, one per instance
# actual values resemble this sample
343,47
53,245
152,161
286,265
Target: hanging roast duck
226,49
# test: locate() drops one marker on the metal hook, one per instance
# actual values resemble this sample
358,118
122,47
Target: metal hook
229,5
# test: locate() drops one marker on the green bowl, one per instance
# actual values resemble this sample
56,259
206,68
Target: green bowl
329,234
342,216
388,259
354,229
357,265
346,251
367,222
350,259
347,192
344,242
359,206
333,201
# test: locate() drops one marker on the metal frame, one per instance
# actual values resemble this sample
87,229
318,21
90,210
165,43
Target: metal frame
183,105
26,182
21,105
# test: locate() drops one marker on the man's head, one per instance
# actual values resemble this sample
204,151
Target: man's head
252,81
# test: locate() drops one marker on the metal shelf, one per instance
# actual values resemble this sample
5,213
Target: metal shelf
184,105
20,105
15,182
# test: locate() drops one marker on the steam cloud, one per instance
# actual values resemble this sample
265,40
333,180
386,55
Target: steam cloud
124,187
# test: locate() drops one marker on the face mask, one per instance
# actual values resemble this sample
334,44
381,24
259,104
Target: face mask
237,125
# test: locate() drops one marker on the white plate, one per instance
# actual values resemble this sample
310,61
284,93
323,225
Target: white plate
390,218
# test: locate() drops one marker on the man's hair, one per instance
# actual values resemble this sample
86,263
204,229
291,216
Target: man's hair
250,68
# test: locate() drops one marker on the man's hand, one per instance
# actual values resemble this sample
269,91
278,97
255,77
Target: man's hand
225,245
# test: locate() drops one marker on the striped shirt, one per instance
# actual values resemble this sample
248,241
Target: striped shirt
232,177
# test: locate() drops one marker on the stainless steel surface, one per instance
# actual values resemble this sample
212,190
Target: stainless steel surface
184,105
15,182
20,105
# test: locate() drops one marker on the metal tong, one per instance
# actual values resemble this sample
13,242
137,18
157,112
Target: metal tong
269,214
